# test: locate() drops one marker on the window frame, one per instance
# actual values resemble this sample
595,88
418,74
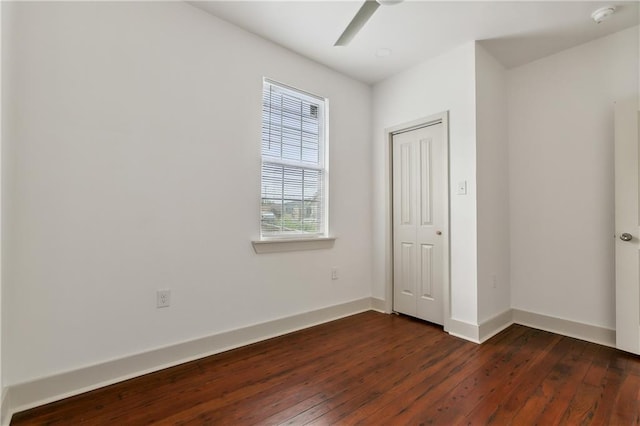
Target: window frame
303,240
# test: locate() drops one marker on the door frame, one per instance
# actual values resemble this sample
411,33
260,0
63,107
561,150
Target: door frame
440,118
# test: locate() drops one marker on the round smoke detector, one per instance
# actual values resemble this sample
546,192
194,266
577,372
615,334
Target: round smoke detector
603,13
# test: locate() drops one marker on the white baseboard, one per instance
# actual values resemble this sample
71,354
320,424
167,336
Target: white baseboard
378,305
463,330
495,325
27,395
479,333
587,332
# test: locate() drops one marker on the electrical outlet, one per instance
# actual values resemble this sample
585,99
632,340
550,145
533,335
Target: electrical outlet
494,281
334,273
163,298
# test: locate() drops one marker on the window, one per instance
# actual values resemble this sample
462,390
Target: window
294,172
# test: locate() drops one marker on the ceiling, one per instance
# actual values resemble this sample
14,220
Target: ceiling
514,32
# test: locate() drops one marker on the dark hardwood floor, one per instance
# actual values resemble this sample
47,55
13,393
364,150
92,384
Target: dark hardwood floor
375,369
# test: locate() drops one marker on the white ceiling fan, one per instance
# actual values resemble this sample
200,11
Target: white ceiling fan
364,14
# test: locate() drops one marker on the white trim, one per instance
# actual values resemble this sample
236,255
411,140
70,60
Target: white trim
27,395
495,325
577,330
483,332
464,330
441,118
292,244
379,305
492,326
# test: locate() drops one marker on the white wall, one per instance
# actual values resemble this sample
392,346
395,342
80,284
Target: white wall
492,186
561,177
135,153
445,83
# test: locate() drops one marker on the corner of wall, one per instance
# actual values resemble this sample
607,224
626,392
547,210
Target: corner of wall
587,332
495,325
464,330
482,332
379,305
493,245
544,169
5,414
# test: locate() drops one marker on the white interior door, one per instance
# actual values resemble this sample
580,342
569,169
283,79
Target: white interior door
627,226
420,223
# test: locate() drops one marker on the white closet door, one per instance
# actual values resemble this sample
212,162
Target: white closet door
419,222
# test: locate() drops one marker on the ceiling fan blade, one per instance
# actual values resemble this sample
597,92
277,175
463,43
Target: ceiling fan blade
366,10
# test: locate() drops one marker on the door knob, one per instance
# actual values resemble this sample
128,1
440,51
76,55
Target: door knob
438,232
626,237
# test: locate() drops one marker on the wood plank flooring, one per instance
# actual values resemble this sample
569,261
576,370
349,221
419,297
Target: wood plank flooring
375,369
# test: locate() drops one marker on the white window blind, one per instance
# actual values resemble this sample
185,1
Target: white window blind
293,163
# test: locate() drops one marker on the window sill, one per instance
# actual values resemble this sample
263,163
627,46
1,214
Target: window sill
291,244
